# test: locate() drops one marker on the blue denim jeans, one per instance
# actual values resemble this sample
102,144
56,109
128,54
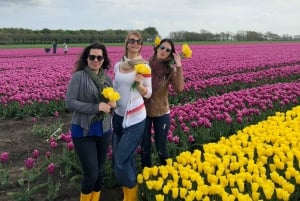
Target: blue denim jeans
161,127
92,154
125,143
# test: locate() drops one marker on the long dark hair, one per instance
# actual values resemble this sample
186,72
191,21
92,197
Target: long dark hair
168,40
81,63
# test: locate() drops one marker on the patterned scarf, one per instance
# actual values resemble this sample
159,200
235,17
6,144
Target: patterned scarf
130,63
100,81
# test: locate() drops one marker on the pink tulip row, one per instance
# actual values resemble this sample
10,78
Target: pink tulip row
28,75
224,82
219,60
231,108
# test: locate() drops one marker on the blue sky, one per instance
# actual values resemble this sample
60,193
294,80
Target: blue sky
277,16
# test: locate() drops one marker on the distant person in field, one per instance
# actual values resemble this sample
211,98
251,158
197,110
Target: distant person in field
91,121
65,48
166,70
130,113
54,47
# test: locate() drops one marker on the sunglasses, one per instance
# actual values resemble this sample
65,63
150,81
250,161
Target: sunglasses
165,48
132,41
93,57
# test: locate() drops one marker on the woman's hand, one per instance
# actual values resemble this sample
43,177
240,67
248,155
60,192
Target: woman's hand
139,78
177,59
140,87
104,107
112,104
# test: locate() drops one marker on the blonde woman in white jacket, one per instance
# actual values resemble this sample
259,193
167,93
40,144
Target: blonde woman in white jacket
130,113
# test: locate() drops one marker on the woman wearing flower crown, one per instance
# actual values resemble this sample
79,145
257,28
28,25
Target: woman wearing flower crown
133,82
91,121
166,70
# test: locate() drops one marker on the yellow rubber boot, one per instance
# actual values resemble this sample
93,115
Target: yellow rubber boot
85,197
96,196
132,193
125,193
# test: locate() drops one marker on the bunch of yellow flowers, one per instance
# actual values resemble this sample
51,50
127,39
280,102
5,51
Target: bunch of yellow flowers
186,51
110,94
141,69
157,41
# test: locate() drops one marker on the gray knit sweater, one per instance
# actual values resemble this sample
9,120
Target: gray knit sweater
82,100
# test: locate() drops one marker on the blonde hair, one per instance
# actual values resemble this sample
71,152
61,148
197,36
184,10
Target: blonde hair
130,33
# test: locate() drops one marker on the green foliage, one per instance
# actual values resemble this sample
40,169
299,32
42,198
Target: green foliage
109,177
70,163
26,195
45,131
17,111
12,36
53,188
4,176
27,185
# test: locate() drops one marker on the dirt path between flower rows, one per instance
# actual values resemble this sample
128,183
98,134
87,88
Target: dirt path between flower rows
16,137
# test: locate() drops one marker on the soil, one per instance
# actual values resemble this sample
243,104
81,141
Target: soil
17,138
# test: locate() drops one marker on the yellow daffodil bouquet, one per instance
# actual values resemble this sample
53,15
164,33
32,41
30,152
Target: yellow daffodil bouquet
186,53
110,94
141,69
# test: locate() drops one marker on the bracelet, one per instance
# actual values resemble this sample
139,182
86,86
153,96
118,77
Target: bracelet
178,66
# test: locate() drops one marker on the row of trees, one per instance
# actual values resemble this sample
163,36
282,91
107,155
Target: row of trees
46,36
230,36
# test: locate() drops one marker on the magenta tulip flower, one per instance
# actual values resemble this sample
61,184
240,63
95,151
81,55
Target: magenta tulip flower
35,154
53,145
51,168
4,157
70,146
29,162
48,154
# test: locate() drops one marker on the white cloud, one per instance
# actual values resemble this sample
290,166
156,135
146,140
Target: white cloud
25,3
277,16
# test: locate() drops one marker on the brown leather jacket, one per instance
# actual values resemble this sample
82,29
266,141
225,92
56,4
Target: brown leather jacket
162,75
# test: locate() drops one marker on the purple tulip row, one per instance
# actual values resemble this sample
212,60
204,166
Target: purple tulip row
29,75
235,107
219,60
223,82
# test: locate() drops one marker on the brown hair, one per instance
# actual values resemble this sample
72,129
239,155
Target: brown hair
81,63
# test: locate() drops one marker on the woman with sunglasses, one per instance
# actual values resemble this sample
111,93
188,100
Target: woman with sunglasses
91,121
130,114
166,70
